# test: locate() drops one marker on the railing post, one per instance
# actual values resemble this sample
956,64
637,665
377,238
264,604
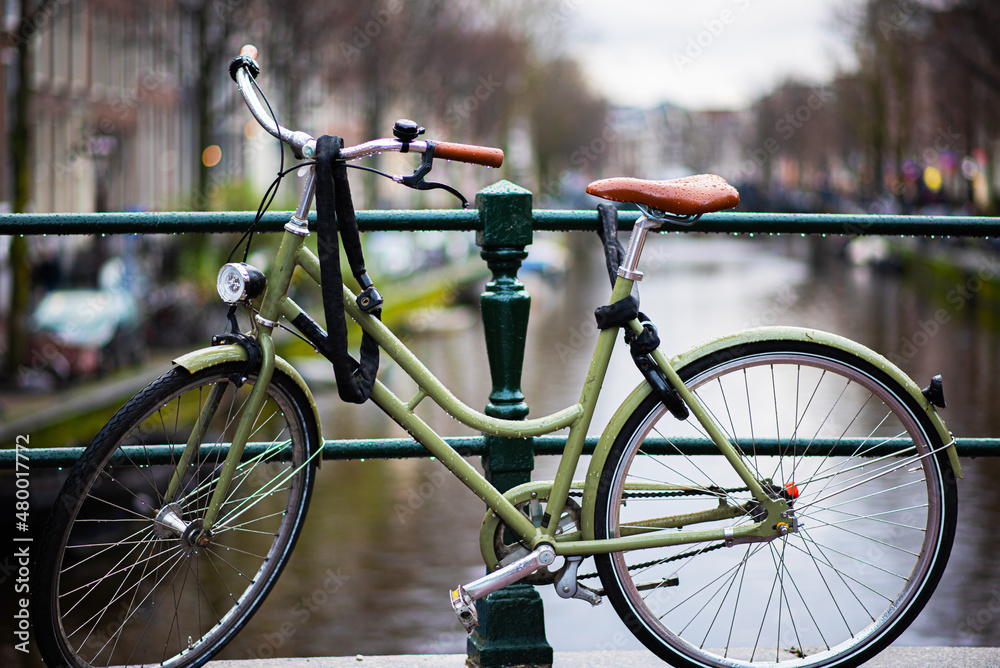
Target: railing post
512,624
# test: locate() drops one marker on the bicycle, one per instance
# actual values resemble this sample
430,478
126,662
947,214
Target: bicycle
779,495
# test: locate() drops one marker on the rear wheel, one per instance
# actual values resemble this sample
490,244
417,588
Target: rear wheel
873,511
125,576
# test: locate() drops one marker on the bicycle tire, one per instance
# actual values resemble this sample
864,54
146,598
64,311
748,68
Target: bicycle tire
872,532
115,585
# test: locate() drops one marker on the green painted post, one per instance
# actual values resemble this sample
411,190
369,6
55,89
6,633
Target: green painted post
512,624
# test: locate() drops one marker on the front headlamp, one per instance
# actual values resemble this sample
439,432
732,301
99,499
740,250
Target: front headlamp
239,282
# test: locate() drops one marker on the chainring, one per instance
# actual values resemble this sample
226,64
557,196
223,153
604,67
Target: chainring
507,548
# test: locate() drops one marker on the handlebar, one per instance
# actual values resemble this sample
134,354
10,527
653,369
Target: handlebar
244,69
477,155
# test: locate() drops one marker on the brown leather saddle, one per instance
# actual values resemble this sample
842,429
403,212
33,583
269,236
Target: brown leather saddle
687,196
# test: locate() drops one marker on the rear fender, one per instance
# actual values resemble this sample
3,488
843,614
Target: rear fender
632,401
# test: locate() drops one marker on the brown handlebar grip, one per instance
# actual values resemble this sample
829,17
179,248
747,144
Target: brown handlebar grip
477,155
249,50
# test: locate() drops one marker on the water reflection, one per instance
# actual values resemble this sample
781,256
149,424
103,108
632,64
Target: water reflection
385,540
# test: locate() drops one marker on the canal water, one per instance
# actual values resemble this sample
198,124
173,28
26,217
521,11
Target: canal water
386,540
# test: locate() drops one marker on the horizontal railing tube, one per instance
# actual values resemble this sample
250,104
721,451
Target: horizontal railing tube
737,222
402,448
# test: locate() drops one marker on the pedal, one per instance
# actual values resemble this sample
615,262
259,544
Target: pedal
465,607
464,597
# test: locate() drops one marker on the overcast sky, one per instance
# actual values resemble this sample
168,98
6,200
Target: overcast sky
704,54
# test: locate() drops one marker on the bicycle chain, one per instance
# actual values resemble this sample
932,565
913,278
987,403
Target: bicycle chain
685,555
709,491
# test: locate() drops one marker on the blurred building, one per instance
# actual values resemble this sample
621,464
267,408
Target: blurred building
112,125
667,141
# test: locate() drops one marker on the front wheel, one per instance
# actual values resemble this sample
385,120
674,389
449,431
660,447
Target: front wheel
872,502
126,576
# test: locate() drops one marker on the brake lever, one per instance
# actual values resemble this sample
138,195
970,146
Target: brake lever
417,182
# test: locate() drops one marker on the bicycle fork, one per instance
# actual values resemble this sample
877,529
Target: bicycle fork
169,520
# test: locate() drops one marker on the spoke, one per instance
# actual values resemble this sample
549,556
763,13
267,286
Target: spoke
802,598
841,575
870,495
100,613
878,474
687,457
828,563
869,538
154,605
93,583
142,443
826,417
152,485
739,591
763,617
204,490
844,431
751,462
277,481
732,581
816,562
236,570
127,511
733,568
175,618
746,388
777,425
242,527
106,546
90,585
131,604
863,464
859,451
854,517
238,550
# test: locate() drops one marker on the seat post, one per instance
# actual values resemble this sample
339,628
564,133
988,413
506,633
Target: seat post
631,262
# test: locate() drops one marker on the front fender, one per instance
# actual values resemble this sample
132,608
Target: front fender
632,401
204,358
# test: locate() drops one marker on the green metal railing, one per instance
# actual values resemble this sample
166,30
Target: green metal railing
473,220
543,220
473,446
512,632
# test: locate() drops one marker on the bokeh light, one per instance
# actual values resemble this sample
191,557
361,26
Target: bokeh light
211,156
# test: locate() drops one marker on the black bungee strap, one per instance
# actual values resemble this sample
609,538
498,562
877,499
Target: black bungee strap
624,310
335,214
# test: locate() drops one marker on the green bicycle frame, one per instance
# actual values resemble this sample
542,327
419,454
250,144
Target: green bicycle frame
276,304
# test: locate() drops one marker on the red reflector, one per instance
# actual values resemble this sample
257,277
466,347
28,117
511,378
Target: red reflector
792,489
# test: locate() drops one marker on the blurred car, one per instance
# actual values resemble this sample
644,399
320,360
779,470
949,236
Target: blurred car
81,332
